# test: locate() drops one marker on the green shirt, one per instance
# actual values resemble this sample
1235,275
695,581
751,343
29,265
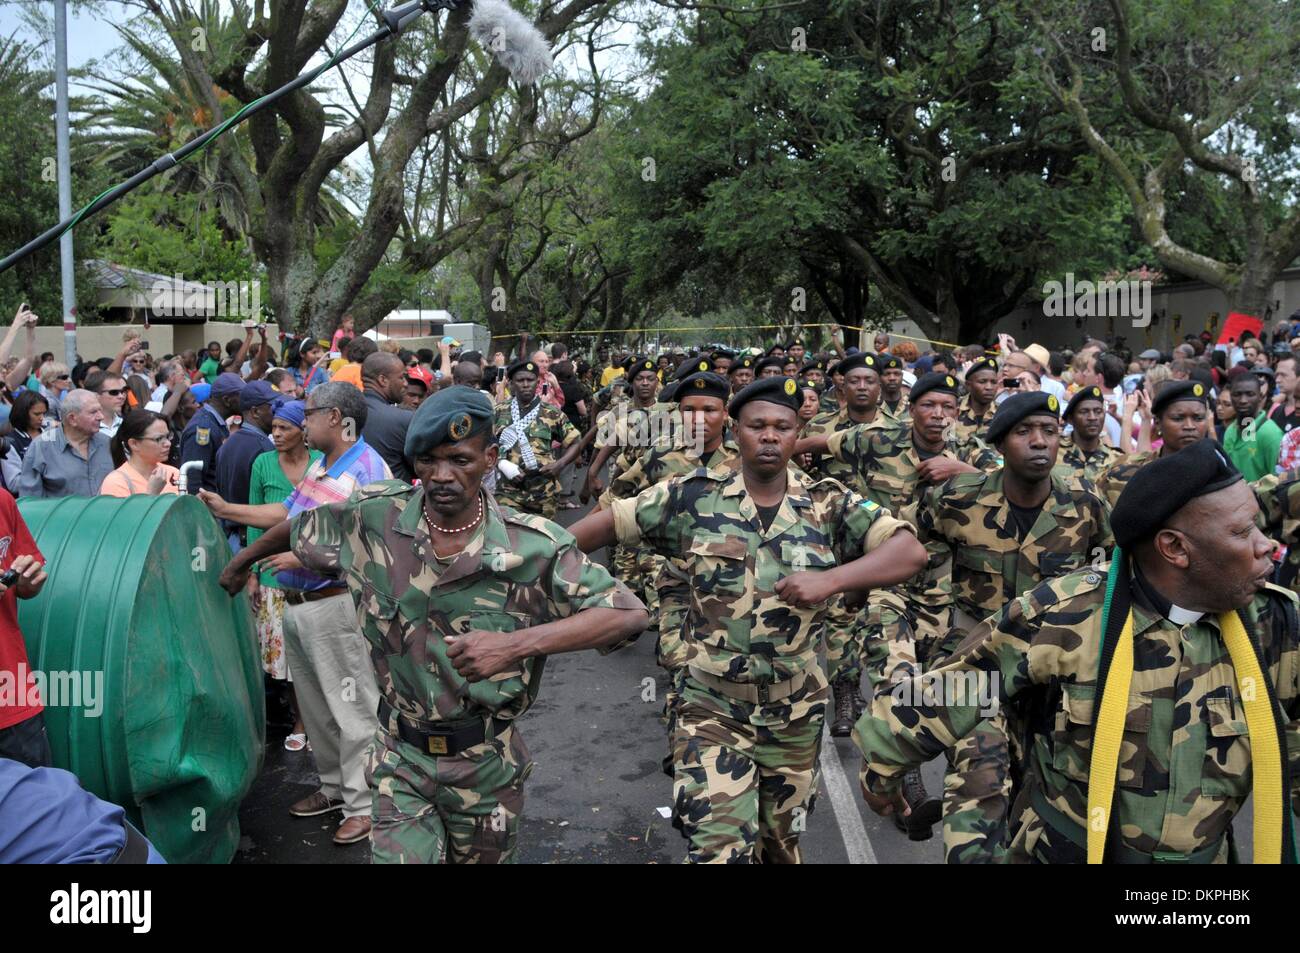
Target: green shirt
268,484
1254,451
210,369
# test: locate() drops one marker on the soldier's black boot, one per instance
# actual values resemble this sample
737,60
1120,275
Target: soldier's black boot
843,690
926,809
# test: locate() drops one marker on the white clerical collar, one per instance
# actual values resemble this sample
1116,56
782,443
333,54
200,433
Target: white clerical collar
1180,616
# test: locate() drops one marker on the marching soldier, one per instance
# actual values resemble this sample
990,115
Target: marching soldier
1156,693
976,407
891,464
1182,414
741,373
526,428
764,549
1084,453
891,386
1007,530
460,602
770,366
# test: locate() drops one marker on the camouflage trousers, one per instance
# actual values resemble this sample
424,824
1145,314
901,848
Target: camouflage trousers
455,809
846,633
648,568
742,792
901,634
537,495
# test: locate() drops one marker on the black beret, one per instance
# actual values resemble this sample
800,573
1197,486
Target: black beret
1167,484
944,383
640,366
775,390
812,366
795,342
451,414
982,364
887,362
517,366
854,361
777,362
721,353
702,384
741,364
1086,393
1179,390
629,361
698,365
1019,406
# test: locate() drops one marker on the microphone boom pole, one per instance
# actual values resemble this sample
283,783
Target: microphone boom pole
395,20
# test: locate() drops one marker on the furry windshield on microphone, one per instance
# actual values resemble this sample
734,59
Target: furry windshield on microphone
511,39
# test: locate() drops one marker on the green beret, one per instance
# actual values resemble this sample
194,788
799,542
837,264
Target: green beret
1019,406
741,364
702,384
450,415
944,383
525,365
1179,390
774,390
1085,394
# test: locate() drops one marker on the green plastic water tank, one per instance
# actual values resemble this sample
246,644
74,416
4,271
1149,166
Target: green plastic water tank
133,601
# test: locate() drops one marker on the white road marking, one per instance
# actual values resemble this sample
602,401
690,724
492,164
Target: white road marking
844,804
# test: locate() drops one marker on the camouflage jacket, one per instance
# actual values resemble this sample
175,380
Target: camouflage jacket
633,430
991,565
968,424
1185,764
898,414
825,464
517,571
663,462
885,463
828,402
550,425
737,628
1089,465
1113,479
1278,496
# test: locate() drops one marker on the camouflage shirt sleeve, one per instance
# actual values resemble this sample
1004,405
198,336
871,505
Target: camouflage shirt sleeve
649,517
978,454
860,526
905,729
564,431
316,537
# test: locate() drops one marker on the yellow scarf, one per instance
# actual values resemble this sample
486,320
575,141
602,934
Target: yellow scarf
1266,755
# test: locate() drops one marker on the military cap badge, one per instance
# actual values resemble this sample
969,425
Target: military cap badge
791,387
701,383
952,383
1198,390
1052,403
460,427
704,365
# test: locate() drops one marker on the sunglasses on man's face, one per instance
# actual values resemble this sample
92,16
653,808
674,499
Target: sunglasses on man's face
64,377
115,392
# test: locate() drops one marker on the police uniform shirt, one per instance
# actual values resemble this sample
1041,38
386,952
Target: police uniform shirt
203,437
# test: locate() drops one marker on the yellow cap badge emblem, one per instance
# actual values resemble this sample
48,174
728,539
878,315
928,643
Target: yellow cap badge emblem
1052,403
790,387
704,365
1198,390
950,382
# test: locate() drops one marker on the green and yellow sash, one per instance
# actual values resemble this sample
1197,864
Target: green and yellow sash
1270,783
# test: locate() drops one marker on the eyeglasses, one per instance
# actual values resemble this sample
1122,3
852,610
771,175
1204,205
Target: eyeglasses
315,410
64,377
115,392
165,438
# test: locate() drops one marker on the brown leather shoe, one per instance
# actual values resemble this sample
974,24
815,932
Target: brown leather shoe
315,804
352,830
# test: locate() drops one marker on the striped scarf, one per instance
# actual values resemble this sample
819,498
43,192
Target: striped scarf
515,433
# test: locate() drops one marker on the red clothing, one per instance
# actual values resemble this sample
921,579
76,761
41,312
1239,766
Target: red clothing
15,540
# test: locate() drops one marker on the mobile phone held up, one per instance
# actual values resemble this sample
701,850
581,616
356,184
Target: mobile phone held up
9,577
1010,382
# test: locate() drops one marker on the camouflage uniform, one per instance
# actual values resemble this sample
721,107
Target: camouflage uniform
911,619
1278,496
993,565
1185,766
827,402
754,697
515,572
532,492
898,413
1090,465
971,425
1113,479
846,629
670,582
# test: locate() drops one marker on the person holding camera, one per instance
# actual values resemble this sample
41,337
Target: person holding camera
22,719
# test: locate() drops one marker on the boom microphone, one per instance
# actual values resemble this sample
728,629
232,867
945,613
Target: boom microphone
511,39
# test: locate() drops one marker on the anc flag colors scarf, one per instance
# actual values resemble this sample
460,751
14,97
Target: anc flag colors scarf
1270,782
